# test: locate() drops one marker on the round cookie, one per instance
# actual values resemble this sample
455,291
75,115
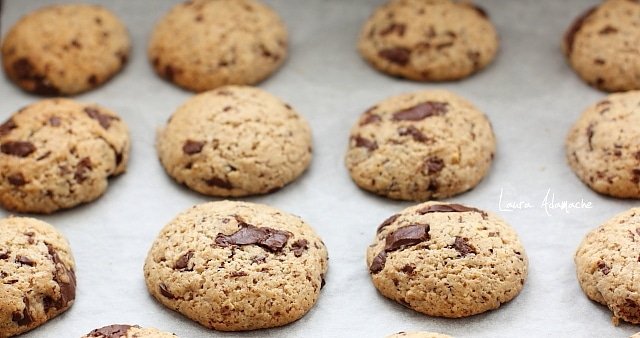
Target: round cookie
419,146
603,146
599,45
418,335
128,331
447,260
235,266
235,141
37,278
607,263
65,49
58,153
201,44
435,40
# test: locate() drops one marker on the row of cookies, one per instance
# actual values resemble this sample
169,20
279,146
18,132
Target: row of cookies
201,45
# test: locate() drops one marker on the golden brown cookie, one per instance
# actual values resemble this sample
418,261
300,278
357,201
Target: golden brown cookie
128,331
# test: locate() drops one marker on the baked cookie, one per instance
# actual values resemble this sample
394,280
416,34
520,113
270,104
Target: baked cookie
603,146
418,335
418,146
607,263
433,40
235,141
447,260
37,278
202,44
599,45
235,266
58,153
65,49
637,335
128,331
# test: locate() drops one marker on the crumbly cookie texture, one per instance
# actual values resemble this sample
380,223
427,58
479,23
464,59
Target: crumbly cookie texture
235,266
447,260
607,262
235,141
58,153
434,40
419,146
128,331
203,44
65,49
603,146
37,275
599,45
418,335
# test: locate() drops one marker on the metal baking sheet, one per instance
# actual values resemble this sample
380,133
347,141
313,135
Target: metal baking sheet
529,92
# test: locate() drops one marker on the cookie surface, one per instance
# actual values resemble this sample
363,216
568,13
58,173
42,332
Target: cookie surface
422,145
128,331
447,260
58,153
418,335
607,262
236,266
235,141
597,45
37,275
603,146
202,44
65,49
435,40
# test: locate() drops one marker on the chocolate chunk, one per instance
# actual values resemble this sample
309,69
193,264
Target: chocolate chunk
258,259
169,72
630,310
37,83
474,57
82,168
407,236
397,55
399,28
638,156
409,270
270,239
7,127
387,222
183,262
590,136
103,119
66,279
237,274
18,148
299,247
448,208
362,142
43,156
570,35
599,62
220,183
23,318
603,267
23,260
370,118
54,121
433,165
414,132
111,331
4,254
118,158
165,291
378,262
92,80
421,111
191,147
608,30
462,246
23,68
16,180
636,176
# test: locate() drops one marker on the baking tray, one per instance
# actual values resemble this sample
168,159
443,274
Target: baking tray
530,94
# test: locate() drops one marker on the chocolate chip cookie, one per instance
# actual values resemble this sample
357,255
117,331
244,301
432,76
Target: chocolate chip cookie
603,146
418,335
436,40
65,49
419,146
607,263
128,331
235,266
447,260
202,44
599,45
58,153
37,275
235,141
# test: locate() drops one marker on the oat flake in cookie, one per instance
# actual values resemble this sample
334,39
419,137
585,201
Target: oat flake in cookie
601,43
419,146
607,265
128,331
37,275
428,40
58,153
603,146
235,266
204,44
235,141
65,49
447,260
